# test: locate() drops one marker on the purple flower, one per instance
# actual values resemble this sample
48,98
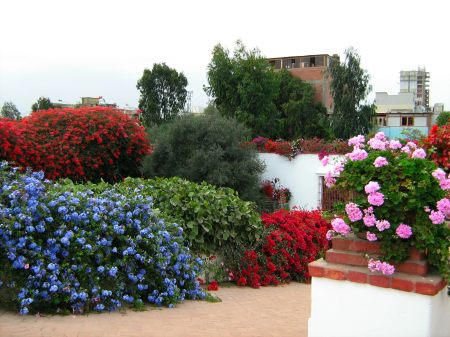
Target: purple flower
380,162
353,212
395,145
437,217
340,226
357,154
371,236
376,199
372,187
443,206
382,225
404,231
377,144
419,153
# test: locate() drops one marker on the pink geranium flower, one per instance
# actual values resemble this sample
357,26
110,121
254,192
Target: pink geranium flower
419,153
443,206
382,225
404,231
437,217
380,162
353,212
376,198
340,226
372,187
371,236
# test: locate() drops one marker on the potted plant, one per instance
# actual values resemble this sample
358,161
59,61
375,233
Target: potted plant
400,199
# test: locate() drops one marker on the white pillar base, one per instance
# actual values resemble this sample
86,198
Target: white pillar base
349,309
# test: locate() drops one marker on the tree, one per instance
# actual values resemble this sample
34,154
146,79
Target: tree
243,86
43,103
443,118
206,148
350,87
163,94
9,110
299,115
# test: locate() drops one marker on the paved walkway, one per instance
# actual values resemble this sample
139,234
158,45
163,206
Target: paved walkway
266,312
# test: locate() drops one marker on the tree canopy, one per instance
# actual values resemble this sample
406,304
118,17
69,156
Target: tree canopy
163,94
43,103
443,118
9,110
350,87
273,104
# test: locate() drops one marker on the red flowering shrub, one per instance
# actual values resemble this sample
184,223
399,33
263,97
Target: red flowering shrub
213,286
10,143
438,145
282,148
89,143
295,238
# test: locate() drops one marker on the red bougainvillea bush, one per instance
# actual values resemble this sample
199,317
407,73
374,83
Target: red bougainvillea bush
83,144
438,145
9,142
293,239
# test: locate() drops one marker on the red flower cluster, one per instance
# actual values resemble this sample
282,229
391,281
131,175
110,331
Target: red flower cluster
83,144
281,148
438,145
296,238
213,286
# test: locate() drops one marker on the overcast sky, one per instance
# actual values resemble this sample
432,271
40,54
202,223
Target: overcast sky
69,49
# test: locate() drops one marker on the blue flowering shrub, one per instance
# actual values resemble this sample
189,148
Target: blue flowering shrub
87,250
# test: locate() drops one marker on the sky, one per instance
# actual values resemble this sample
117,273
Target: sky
68,49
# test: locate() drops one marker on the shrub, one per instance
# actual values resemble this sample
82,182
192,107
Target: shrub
211,217
292,240
10,143
399,199
82,144
443,118
84,250
438,145
206,148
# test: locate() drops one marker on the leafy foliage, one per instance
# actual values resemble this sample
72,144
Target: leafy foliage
443,118
206,148
90,143
272,104
9,110
292,240
43,103
349,87
83,250
163,94
211,217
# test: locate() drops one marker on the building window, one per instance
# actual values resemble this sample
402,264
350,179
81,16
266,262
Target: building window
407,121
380,121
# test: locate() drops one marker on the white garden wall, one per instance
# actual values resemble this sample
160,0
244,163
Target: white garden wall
300,174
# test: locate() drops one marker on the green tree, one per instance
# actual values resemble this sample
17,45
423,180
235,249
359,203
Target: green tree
9,110
443,118
43,103
163,94
299,116
350,87
243,86
207,148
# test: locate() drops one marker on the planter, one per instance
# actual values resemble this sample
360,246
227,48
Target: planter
411,302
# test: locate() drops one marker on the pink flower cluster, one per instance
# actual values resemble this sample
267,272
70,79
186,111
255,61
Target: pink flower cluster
443,206
444,182
377,144
357,154
372,187
353,212
404,231
340,226
382,225
419,153
357,141
437,217
325,160
371,236
329,179
376,199
380,162
369,218
383,267
330,234
395,145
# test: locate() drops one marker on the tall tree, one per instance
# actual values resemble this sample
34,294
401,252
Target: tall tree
243,86
299,115
9,110
43,103
350,87
163,94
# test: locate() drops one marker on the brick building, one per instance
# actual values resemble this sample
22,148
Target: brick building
311,69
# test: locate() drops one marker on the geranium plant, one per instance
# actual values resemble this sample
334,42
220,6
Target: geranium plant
276,192
399,200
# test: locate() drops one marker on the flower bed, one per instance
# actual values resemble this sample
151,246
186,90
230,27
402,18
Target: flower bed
399,200
82,250
293,239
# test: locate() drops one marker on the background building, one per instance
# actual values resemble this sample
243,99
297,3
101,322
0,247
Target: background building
311,69
416,82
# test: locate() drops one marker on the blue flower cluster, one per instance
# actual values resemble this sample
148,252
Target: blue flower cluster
83,250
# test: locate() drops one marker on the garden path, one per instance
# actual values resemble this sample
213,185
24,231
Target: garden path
266,312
